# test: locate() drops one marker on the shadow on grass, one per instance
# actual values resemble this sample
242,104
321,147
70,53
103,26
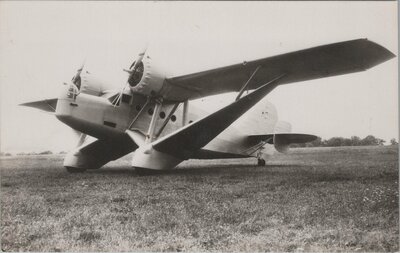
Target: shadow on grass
199,170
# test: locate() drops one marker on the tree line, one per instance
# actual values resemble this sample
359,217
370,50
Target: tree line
369,140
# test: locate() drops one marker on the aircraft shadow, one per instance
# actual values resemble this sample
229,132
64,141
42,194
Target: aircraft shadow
195,170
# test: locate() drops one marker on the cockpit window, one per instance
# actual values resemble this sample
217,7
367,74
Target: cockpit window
135,78
116,100
73,91
126,98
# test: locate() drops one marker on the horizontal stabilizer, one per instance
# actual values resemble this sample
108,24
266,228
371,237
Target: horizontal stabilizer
47,105
282,141
290,137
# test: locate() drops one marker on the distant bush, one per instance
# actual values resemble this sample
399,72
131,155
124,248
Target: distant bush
4,154
47,152
369,140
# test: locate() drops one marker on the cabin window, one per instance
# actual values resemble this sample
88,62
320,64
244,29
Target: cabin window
138,107
162,115
150,111
173,118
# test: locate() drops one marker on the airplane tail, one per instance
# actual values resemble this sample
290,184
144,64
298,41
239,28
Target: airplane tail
283,127
281,139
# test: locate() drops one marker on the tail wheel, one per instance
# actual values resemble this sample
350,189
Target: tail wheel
260,162
75,170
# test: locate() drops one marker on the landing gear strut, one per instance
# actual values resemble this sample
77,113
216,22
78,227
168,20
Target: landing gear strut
260,162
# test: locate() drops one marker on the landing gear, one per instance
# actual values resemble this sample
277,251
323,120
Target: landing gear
75,170
260,162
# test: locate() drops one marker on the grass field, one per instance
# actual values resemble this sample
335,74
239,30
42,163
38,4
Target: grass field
315,199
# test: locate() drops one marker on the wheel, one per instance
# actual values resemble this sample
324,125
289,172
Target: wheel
261,162
75,170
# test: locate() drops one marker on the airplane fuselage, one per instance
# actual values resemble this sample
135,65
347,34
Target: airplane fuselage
97,116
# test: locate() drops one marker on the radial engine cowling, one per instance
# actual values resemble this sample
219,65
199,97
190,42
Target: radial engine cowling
92,85
148,78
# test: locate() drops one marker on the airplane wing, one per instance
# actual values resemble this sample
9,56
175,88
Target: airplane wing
104,151
317,62
47,105
185,142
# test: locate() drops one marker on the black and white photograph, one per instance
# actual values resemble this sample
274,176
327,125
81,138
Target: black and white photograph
199,126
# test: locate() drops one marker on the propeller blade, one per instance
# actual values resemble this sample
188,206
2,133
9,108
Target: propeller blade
77,78
80,136
82,139
135,64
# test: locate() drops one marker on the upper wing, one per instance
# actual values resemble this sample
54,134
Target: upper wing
48,105
317,62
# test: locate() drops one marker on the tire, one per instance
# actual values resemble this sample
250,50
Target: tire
75,170
260,162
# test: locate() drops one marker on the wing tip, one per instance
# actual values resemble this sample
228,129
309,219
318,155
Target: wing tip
47,105
26,104
376,53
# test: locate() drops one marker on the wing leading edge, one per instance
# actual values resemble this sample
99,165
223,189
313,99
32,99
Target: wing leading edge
317,62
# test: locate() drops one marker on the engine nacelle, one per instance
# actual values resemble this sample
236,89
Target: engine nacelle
149,77
92,85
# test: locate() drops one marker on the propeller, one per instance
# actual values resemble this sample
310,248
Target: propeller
132,70
82,139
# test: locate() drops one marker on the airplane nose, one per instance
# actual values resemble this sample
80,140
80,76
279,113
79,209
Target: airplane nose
65,99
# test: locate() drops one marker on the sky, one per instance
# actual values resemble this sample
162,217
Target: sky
43,43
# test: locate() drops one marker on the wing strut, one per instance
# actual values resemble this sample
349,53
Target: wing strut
187,140
152,126
139,113
247,83
185,112
167,119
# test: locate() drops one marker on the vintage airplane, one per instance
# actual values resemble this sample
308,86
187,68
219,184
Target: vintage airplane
146,116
